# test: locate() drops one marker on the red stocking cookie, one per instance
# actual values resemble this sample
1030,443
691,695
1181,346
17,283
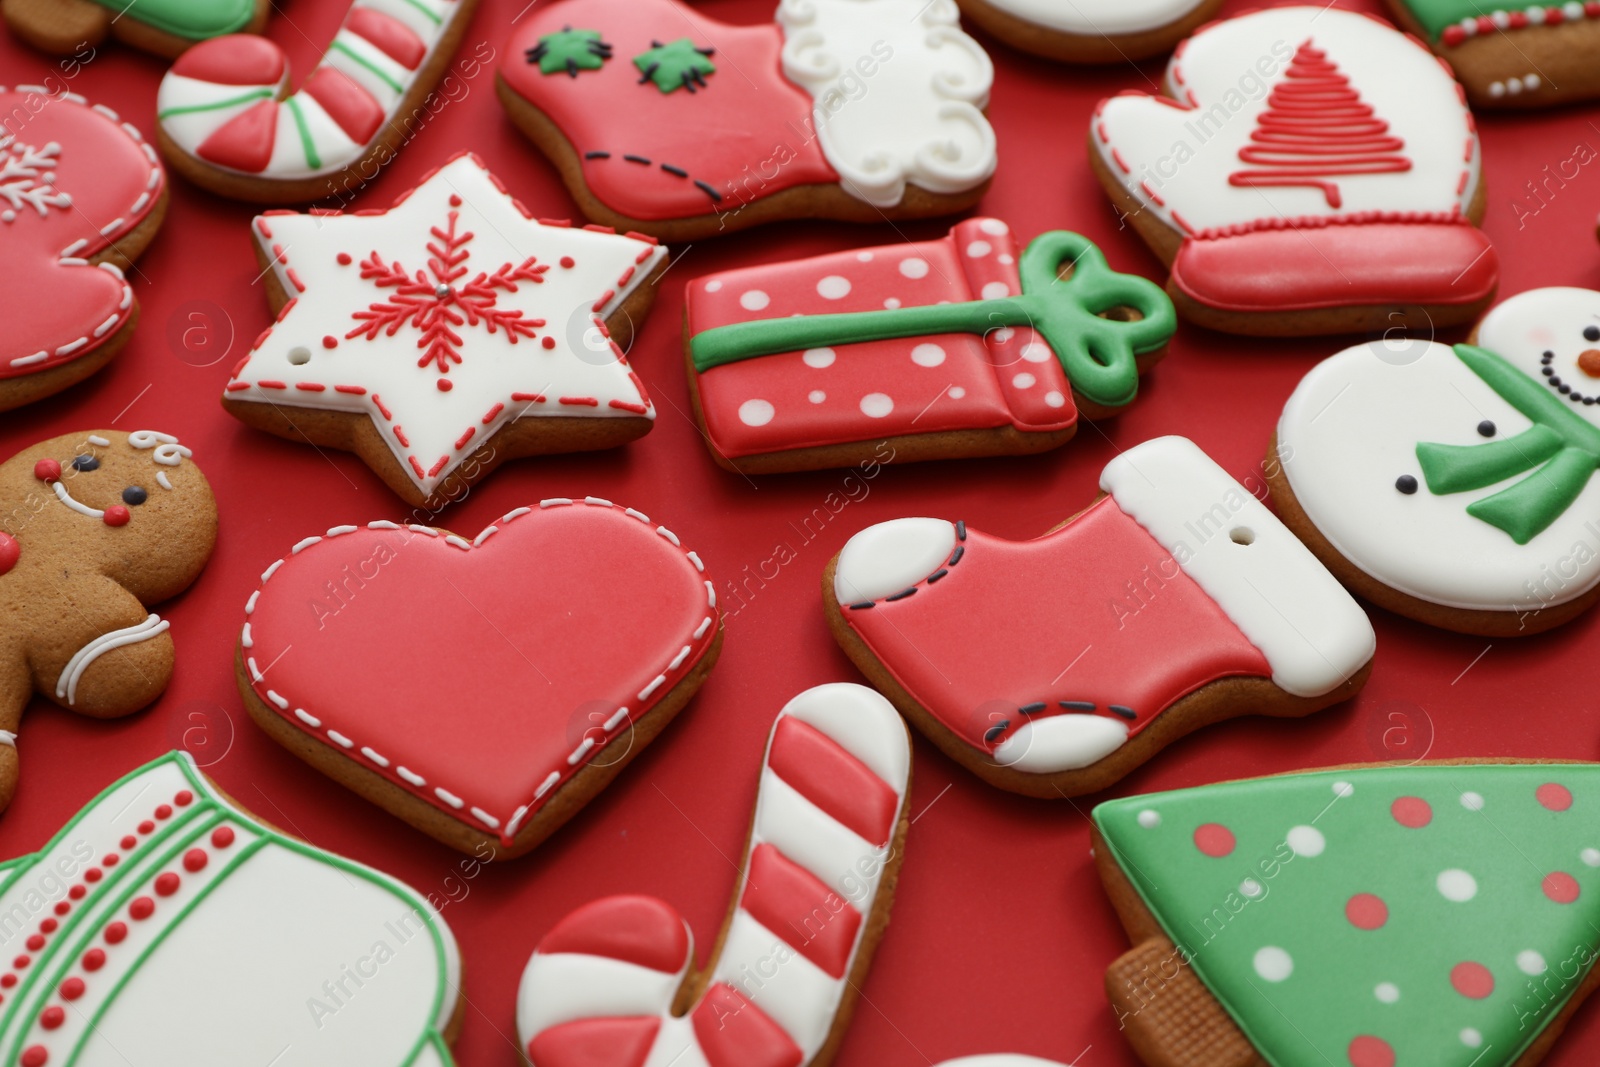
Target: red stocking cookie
1055,666
81,195
165,27
229,122
813,899
558,643
946,348
165,924
447,334
850,109
94,527
1310,170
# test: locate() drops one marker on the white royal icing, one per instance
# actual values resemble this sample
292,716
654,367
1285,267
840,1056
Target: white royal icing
1313,634
890,556
1176,161
435,425
1061,743
1089,18
84,658
1000,1059
917,118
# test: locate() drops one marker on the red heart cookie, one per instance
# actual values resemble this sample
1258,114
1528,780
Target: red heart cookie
482,690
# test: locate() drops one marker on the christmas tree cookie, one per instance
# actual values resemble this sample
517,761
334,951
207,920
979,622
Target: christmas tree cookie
1445,914
1455,485
1308,170
1517,56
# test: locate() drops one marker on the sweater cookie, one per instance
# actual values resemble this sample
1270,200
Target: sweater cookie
164,27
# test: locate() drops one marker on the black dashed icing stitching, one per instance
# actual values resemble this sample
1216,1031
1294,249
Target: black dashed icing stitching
955,557
677,172
1123,710
597,155
901,595
1077,705
936,575
637,159
994,733
1034,708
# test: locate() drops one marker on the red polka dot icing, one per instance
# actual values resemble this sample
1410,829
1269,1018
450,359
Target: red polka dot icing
1413,812
1560,887
1369,1051
1214,840
1554,796
1471,980
1366,911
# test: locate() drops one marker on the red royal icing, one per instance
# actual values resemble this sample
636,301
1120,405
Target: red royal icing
638,930
1553,796
1366,911
1412,812
619,1042
733,1032
835,781
1369,1051
1560,887
797,906
10,552
1214,839
237,59
1472,980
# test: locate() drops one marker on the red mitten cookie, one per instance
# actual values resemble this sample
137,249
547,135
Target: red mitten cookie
94,528
666,121
1375,916
448,334
165,27
81,195
1055,666
615,983
1310,170
538,659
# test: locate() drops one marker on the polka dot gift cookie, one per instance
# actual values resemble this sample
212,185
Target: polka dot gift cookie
968,345
1377,916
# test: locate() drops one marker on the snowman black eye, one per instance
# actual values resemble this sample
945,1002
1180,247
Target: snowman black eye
133,496
1591,333
89,463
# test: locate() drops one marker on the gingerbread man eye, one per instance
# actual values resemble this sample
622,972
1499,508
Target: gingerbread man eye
85,463
1591,333
134,495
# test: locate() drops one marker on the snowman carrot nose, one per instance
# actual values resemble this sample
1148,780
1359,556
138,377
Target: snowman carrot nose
1589,362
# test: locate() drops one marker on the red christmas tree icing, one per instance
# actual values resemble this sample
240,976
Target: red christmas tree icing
1316,127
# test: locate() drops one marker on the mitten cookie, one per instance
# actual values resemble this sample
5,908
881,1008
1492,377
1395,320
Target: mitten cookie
573,632
1311,170
230,124
666,121
448,334
1454,485
1053,667
1374,916
940,348
615,980
81,195
1520,56
165,27
94,527
166,925
1090,32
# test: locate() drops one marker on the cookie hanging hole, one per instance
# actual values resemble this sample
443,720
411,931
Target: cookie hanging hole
1242,535
299,355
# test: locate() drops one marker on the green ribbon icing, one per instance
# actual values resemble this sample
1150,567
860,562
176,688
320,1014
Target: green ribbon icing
675,65
196,20
1435,15
1097,354
1561,449
1303,846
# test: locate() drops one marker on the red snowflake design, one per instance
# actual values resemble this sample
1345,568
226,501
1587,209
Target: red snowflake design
439,304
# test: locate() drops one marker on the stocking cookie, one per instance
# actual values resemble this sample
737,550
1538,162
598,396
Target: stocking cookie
1083,32
1370,916
1034,663
1310,170
94,528
1519,56
81,195
448,334
589,627
616,978
945,348
860,110
230,124
165,924
165,27
1454,485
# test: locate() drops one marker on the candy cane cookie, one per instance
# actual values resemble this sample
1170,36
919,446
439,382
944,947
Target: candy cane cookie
229,123
614,982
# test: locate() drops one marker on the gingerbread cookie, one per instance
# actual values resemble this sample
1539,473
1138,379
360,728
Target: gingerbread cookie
862,110
1453,485
1053,667
945,348
617,976
94,527
448,334
1373,916
81,195
127,926
1090,32
1310,170
165,27
1511,57
230,124
589,627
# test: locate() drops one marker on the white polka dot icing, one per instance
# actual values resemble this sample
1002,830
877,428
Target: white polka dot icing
996,290
713,286
1531,962
1055,399
1024,380
914,267
819,357
1149,819
1273,964
754,300
834,287
756,412
979,249
1472,801
1387,992
816,396
1457,885
927,355
994,227
1307,841
876,405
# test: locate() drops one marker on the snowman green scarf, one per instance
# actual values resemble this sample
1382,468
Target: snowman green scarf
1561,449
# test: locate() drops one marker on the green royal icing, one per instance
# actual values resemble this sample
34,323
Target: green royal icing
196,20
569,51
1305,845
677,64
1561,450
1097,354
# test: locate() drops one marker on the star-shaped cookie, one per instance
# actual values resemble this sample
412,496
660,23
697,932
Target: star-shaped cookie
447,334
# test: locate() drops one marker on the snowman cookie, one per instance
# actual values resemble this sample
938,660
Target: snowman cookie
1454,485
1030,662
1309,170
165,27
94,528
668,122
1090,31
1370,916
1516,56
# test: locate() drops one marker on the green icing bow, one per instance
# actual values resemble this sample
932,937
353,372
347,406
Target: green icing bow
1561,448
1097,354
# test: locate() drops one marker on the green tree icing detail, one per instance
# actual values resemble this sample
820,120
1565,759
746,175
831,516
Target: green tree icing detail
569,51
674,65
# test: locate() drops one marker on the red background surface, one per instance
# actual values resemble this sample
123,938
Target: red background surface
1000,931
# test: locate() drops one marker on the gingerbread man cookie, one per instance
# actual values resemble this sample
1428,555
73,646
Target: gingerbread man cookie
94,527
165,27
81,195
860,110
1309,170
811,903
